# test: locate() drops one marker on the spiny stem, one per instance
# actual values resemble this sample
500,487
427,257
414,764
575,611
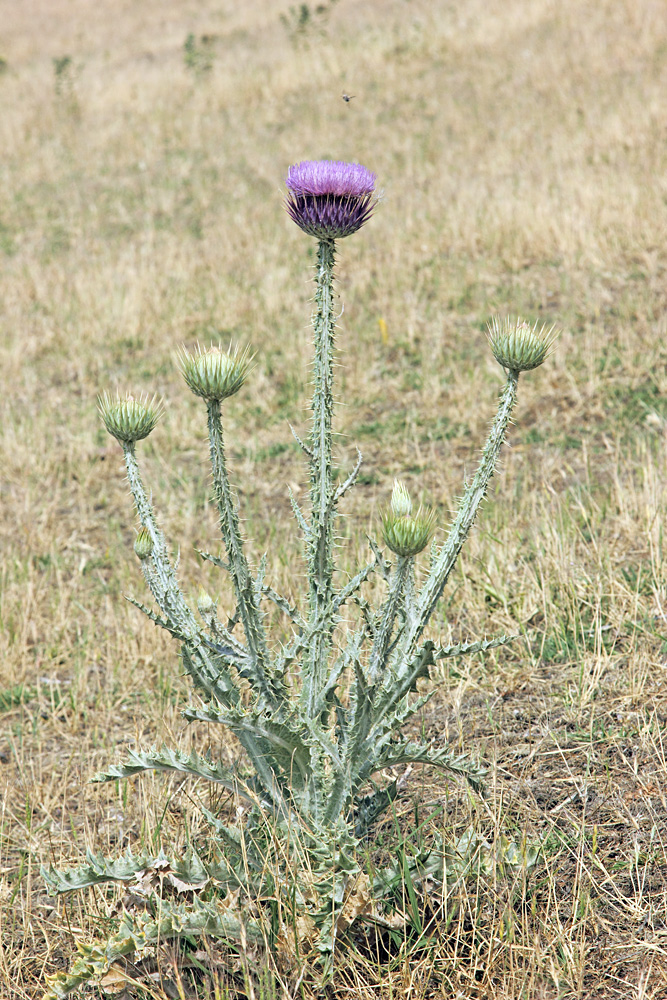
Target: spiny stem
251,619
162,581
161,578
472,498
383,635
320,562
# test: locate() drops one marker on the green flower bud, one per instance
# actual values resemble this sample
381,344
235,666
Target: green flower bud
143,544
214,373
408,534
205,603
519,347
401,504
129,418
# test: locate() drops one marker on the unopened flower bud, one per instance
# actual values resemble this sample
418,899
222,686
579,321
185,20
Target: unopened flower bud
205,603
518,346
408,534
401,504
143,543
129,418
214,374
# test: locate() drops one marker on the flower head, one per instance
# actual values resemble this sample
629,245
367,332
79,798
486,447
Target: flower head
330,198
143,543
214,374
205,603
129,418
406,533
517,345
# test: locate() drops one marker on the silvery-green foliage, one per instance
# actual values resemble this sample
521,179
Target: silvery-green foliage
319,716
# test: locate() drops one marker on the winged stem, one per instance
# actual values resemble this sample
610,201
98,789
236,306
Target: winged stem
321,538
472,498
249,611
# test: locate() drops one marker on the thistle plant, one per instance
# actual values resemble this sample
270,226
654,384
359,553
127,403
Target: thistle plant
321,715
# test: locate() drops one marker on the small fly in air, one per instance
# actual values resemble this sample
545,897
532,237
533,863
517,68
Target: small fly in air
347,98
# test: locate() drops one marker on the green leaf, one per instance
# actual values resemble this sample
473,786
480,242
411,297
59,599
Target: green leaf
369,808
174,760
98,870
138,931
184,874
211,674
284,742
393,754
399,682
348,657
234,844
464,648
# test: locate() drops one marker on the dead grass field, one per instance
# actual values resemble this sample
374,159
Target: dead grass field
522,150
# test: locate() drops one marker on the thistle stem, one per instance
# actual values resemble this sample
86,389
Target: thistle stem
249,612
161,578
472,498
383,636
170,598
320,561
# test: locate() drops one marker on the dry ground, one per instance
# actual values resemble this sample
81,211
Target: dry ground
522,150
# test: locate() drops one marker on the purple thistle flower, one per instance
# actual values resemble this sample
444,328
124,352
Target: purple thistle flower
330,198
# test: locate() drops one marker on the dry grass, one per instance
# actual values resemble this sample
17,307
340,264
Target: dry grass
521,148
